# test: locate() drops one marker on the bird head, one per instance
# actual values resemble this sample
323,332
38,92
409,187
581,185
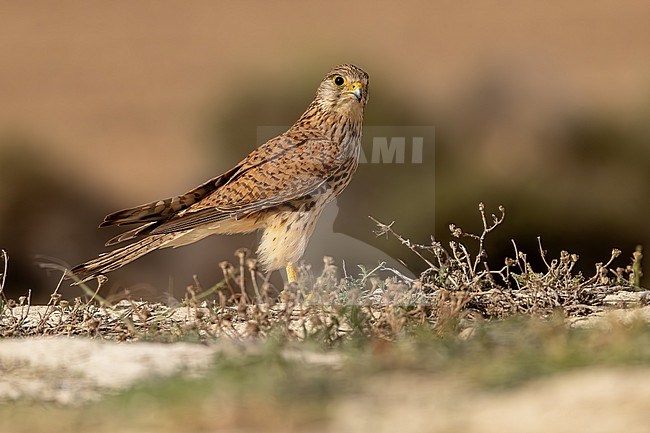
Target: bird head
344,89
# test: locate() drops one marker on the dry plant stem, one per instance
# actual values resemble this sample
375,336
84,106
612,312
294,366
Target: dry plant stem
398,274
54,298
100,282
496,221
95,295
542,252
242,253
251,264
600,267
385,229
225,268
3,278
24,313
518,257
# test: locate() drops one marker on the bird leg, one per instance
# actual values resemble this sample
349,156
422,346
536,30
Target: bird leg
292,273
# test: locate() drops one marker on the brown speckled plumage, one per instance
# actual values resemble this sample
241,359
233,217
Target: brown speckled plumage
281,187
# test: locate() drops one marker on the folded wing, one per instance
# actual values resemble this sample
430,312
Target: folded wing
279,172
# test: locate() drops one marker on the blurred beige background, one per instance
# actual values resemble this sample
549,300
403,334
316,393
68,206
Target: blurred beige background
541,107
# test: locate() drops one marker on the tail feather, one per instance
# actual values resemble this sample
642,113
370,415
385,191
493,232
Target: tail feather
117,258
162,210
143,230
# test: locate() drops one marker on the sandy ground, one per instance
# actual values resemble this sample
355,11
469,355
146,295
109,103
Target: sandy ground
594,400
72,371
76,370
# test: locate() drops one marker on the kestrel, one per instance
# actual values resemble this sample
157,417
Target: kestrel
281,187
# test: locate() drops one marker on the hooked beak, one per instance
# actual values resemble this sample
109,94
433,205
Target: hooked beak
355,89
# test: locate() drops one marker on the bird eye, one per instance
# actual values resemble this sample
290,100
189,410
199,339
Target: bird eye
339,81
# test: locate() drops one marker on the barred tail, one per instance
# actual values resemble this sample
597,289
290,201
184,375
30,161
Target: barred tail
117,258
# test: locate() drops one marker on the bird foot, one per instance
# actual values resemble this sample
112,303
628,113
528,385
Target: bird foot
292,273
